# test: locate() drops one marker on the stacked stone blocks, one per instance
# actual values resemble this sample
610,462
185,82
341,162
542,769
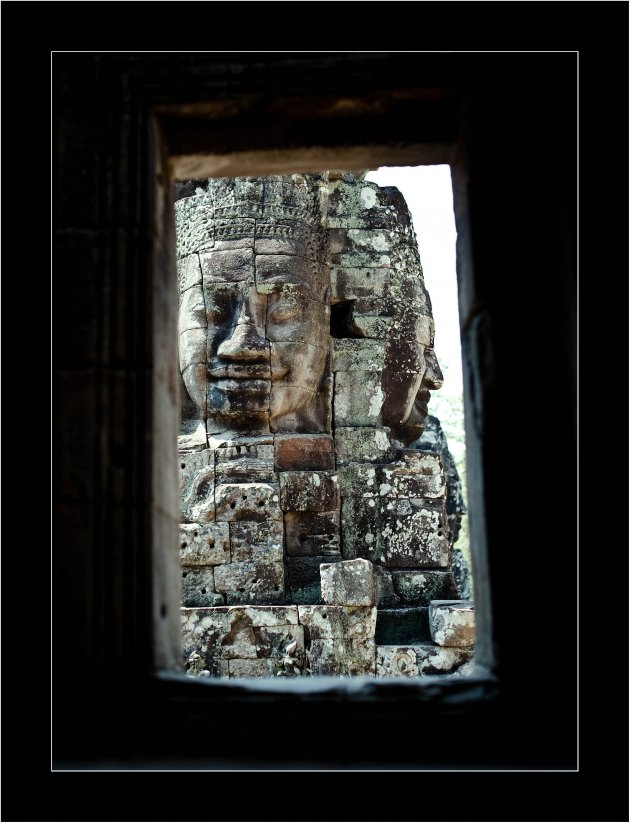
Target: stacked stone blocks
336,638
282,517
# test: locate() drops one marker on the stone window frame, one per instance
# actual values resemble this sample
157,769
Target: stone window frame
198,164
157,119
181,155
117,118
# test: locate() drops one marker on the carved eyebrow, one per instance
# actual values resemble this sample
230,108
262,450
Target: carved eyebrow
281,315
284,305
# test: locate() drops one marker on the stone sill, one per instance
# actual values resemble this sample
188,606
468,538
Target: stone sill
456,691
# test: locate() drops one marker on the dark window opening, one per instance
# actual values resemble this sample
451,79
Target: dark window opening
341,320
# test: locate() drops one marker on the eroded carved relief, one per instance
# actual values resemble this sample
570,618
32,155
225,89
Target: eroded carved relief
306,354
255,305
386,364
434,439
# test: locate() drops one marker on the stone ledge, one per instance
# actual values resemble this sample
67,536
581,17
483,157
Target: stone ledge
419,660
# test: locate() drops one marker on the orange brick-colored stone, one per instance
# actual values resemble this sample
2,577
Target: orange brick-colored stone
304,452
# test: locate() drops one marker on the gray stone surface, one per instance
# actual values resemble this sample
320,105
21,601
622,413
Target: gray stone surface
358,398
192,349
418,588
434,439
350,622
413,533
462,574
309,491
257,641
361,526
254,502
198,587
272,641
351,282
310,534
419,660
396,661
245,464
256,541
251,615
395,532
188,272
192,437
348,583
337,656
192,313
197,487
250,668
418,474
218,634
227,265
358,480
358,355
358,248
256,578
204,544
202,628
386,596
441,660
362,444
190,464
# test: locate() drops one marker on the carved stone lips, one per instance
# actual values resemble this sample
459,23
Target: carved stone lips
252,371
244,388
422,401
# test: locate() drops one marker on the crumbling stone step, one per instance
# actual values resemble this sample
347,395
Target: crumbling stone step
419,660
452,622
346,622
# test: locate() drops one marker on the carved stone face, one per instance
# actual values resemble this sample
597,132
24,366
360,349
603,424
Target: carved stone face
255,294
379,296
254,315
267,348
263,263
411,370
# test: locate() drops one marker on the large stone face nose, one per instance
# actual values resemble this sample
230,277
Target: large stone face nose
244,343
433,377
247,341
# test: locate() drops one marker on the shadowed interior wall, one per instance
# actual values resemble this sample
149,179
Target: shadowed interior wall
115,378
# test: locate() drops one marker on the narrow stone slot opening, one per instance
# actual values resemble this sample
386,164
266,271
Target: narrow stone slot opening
341,320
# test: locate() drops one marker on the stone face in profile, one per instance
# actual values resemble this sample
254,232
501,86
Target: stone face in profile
384,359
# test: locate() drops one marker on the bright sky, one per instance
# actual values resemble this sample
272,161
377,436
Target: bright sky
429,195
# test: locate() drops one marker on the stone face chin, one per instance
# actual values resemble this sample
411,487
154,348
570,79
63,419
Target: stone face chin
311,541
